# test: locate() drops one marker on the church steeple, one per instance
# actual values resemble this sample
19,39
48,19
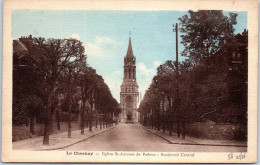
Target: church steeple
129,53
129,88
129,58
129,63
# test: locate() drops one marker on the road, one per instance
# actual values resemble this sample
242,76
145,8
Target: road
132,137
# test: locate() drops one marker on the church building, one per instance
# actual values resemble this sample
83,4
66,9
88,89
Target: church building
129,89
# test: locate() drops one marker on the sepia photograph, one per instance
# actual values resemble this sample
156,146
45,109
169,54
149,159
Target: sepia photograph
111,85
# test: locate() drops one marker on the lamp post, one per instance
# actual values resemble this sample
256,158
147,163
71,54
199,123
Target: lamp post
175,29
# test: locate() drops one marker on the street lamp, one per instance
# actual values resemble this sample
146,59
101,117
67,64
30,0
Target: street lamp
175,29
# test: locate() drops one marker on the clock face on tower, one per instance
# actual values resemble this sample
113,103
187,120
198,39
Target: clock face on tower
129,88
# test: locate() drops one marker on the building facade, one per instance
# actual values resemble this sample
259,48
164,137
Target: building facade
129,89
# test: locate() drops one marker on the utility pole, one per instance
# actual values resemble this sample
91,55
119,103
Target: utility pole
175,29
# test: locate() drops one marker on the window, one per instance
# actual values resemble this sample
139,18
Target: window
129,74
129,102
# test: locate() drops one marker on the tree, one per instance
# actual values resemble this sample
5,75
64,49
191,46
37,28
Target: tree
88,84
212,81
27,102
48,59
47,76
96,92
24,107
205,32
70,85
104,101
164,85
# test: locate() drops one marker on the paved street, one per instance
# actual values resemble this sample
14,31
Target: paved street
132,137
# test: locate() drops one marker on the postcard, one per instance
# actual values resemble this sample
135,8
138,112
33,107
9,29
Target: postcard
130,81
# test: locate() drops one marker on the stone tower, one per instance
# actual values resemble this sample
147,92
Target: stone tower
129,89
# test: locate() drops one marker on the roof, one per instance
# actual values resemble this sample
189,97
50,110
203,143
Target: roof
19,46
129,50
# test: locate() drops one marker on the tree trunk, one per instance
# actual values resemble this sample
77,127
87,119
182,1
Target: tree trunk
163,127
103,121
90,125
170,115
106,121
170,127
82,122
154,124
51,129
163,124
100,122
154,127
148,121
178,121
96,122
49,112
87,123
183,129
82,117
158,126
48,118
47,127
90,118
32,123
69,128
158,120
58,120
69,123
110,120
151,123
178,128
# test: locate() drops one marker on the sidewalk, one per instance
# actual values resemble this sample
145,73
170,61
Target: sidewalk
195,141
59,140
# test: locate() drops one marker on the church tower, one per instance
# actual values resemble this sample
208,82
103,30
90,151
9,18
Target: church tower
129,89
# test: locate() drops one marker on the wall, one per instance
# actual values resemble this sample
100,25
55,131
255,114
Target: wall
212,130
23,132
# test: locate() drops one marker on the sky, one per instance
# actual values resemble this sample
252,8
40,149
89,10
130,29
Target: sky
105,35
